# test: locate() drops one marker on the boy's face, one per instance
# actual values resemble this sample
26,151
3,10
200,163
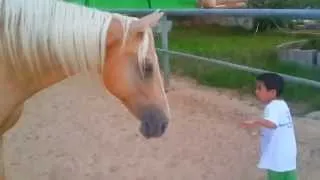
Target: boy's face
263,94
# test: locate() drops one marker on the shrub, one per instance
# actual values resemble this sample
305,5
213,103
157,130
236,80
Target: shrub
312,44
265,23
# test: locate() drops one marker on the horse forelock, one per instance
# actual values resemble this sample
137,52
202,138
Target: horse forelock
144,44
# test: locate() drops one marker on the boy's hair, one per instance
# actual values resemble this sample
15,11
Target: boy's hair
272,81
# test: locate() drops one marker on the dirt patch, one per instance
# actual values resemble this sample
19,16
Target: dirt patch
74,131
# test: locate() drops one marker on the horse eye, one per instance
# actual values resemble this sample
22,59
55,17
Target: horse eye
148,69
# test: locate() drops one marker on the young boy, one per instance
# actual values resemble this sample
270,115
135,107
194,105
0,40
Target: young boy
278,149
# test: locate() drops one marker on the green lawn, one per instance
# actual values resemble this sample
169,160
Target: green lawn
242,47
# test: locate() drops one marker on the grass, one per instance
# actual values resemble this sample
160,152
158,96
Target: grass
312,44
242,47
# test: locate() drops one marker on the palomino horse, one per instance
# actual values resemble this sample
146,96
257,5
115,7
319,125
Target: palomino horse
43,42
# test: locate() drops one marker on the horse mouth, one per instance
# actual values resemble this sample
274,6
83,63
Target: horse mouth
154,122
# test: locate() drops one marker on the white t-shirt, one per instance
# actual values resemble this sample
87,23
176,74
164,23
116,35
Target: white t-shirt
278,146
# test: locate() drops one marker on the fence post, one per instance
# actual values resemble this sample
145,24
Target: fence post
165,27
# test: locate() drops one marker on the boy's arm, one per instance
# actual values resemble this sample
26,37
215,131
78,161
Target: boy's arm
265,123
259,122
269,120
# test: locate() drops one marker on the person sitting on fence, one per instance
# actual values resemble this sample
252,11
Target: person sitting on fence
278,143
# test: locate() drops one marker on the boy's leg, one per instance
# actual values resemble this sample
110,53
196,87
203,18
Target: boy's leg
289,175
272,175
292,175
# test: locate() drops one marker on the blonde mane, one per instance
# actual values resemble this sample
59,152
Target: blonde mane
36,35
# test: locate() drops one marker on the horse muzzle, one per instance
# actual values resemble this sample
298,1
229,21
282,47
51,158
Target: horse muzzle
154,122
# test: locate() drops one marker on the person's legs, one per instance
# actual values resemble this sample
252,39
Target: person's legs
272,175
288,175
292,175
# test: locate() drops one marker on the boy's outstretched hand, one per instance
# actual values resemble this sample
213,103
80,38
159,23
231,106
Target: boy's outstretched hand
258,122
248,124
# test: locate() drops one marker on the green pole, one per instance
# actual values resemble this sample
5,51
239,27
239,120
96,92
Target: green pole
149,4
86,2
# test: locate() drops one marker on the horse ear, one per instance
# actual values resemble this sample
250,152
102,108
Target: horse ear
148,21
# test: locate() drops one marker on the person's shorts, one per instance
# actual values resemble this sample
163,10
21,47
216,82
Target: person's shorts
288,175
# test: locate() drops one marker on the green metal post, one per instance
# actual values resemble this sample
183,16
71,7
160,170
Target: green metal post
165,27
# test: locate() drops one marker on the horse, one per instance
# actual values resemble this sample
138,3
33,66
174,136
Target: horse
43,42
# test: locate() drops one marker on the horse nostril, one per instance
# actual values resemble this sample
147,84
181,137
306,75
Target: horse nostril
164,127
153,122
146,126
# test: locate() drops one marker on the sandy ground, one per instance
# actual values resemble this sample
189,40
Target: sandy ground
74,131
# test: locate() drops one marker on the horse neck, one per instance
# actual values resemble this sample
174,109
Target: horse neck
57,47
33,82
52,72
56,72
48,72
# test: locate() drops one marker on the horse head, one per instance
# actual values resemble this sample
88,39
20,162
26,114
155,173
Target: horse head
131,73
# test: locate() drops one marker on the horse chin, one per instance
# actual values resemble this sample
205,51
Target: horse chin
154,122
